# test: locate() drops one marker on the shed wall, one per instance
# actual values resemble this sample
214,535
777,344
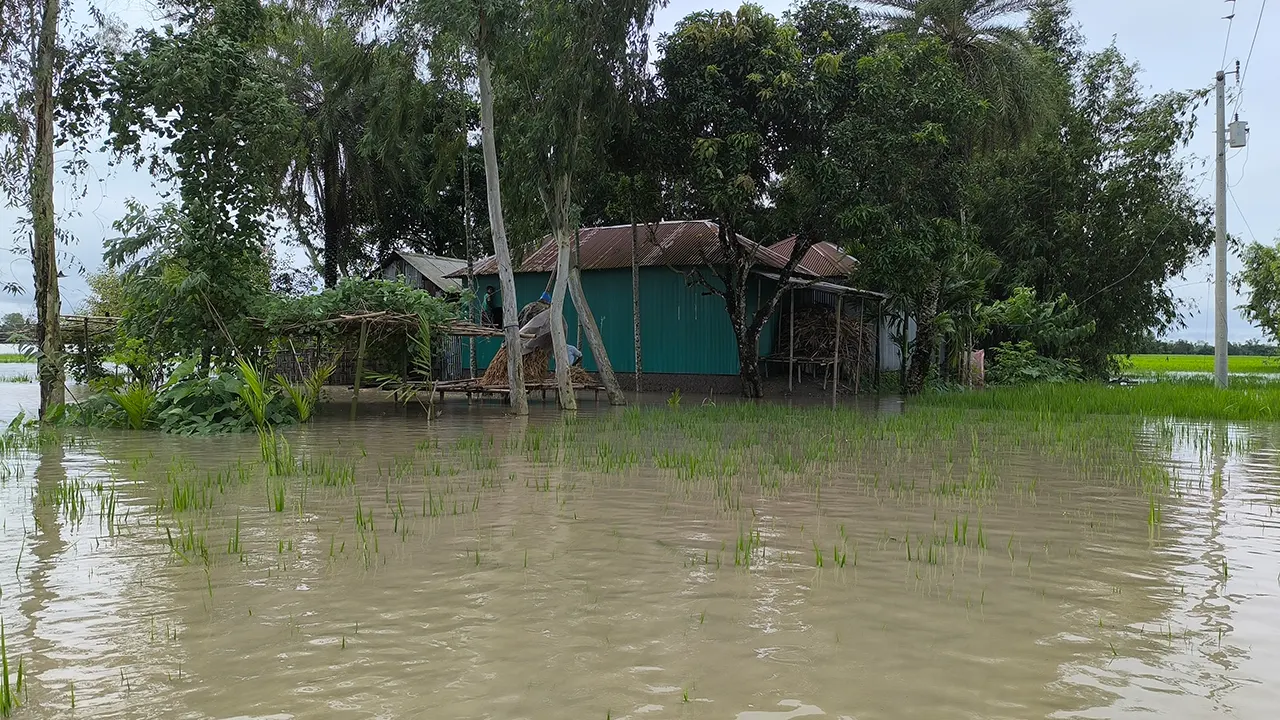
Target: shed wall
684,329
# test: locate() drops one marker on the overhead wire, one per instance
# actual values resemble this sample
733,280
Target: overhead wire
1231,21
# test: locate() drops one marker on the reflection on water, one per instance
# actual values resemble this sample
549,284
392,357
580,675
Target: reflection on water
662,564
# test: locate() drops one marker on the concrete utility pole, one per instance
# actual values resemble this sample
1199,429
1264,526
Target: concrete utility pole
1220,244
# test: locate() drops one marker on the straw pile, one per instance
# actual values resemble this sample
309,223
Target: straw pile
536,369
816,337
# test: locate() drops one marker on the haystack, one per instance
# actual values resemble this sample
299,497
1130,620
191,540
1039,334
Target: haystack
536,369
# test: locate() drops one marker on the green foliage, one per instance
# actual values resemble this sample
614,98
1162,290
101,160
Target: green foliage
1049,326
998,59
1019,363
190,402
137,402
181,293
377,165
1099,205
306,396
194,269
254,392
1261,275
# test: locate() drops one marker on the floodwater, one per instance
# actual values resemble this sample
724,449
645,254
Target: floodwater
670,563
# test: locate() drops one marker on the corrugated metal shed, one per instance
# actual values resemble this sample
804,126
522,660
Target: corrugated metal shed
435,270
676,243
684,329
824,259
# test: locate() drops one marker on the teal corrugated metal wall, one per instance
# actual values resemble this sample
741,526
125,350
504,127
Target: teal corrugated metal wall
684,329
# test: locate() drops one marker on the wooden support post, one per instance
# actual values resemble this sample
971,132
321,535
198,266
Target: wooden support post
857,377
835,366
635,298
87,355
879,350
355,393
791,343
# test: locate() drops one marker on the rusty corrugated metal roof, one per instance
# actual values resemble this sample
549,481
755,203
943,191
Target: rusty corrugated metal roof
674,243
824,259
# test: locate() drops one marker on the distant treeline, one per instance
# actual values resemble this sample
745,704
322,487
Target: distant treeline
1186,347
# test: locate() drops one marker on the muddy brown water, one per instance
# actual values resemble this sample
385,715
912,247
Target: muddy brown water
477,568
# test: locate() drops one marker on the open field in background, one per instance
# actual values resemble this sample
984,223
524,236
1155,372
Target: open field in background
1188,399
14,358
1202,363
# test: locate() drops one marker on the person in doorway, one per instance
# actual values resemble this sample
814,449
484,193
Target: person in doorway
492,306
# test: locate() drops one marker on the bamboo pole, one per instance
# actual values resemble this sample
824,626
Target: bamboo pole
577,254
835,366
635,297
355,394
791,344
857,378
87,376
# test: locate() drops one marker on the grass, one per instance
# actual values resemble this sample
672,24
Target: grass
16,379
1157,364
1191,399
15,358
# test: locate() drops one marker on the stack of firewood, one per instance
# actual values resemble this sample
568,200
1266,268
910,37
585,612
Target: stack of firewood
815,337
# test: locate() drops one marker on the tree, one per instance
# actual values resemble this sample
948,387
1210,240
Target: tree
377,146
997,58
748,105
905,171
1261,275
28,47
562,102
999,62
1099,205
476,25
205,88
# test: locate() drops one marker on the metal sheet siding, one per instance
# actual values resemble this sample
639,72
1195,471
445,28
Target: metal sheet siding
684,329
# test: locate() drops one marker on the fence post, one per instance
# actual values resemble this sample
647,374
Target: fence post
355,393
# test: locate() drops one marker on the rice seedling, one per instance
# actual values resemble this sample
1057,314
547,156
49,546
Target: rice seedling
275,496
11,678
276,452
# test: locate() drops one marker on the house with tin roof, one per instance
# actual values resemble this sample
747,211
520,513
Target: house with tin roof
654,278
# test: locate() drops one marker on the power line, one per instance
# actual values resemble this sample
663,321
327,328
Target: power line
1253,44
1231,21
1242,217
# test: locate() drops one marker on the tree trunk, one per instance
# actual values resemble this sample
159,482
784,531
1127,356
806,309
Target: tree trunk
735,299
331,220
559,343
470,251
926,342
511,328
588,320
635,302
43,245
749,364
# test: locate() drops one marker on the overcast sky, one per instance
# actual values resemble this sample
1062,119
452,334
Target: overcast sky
1179,44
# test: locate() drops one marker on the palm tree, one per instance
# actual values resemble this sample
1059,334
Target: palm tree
996,56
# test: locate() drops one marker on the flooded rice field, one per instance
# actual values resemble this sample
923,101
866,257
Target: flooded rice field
745,562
